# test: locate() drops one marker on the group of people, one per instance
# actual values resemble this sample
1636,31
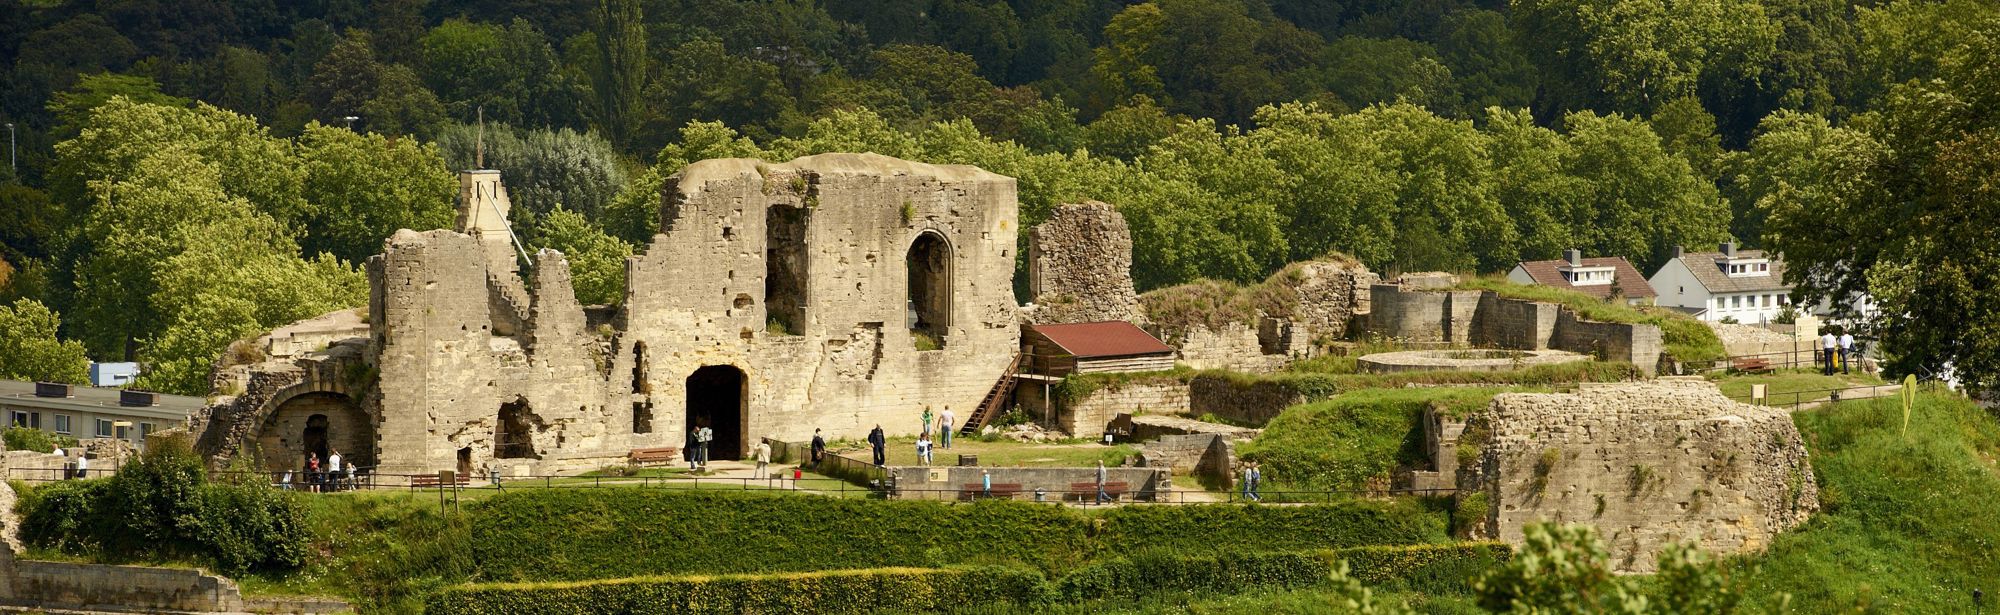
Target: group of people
878,440
331,476
1253,478
1836,349
697,447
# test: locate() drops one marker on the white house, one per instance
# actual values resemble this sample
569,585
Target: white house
1599,277
1745,285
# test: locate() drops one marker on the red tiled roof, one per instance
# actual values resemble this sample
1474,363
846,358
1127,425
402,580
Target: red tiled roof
1114,338
1624,276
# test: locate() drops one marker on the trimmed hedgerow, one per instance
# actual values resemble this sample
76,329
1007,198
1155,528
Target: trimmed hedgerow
1203,529
880,590
1155,572
1427,569
608,533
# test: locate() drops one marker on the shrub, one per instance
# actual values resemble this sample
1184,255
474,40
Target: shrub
162,507
880,590
31,439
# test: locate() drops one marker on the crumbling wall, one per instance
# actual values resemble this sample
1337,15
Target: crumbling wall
1087,417
1327,295
1236,346
1080,266
1248,402
1646,463
1417,313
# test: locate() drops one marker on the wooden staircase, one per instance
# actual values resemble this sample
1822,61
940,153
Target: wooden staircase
997,398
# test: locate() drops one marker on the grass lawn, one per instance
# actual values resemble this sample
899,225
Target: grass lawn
1784,387
902,451
1356,440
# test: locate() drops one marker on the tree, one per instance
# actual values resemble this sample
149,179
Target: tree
614,57
30,350
387,97
511,72
1558,569
1639,200
72,107
634,215
364,187
596,260
1634,55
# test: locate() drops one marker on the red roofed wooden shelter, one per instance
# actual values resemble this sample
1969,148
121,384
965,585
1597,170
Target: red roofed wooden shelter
1091,347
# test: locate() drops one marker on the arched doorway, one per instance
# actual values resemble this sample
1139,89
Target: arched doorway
929,263
317,424
514,437
716,396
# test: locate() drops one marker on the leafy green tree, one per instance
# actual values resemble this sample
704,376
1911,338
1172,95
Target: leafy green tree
510,71
544,169
72,107
614,59
119,133
30,350
1531,180
1365,71
1558,569
364,187
596,260
1634,55
1487,61
634,214
1639,200
1126,131
702,81
34,222
387,98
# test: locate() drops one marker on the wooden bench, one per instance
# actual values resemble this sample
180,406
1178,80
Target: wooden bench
428,481
978,491
1087,492
643,456
1750,365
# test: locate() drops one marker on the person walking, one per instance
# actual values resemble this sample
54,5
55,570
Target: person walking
818,447
1256,481
946,424
924,449
927,421
1102,475
761,452
1846,350
694,449
1828,346
83,465
1249,478
880,443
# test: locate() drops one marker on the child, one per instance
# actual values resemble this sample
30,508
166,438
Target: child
924,449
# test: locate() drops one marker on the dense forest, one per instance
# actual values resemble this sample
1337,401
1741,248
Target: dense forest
195,172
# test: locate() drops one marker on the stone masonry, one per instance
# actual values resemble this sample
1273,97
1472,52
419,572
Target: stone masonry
1646,463
837,291
1080,266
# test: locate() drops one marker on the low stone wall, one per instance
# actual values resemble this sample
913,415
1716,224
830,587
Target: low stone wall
1638,344
1209,456
1646,463
1236,347
141,589
1254,403
1485,319
1087,417
1153,427
1507,323
946,483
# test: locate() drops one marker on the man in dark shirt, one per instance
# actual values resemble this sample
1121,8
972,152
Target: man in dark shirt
880,442
818,447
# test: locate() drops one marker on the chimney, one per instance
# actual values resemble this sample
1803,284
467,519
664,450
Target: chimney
51,389
1729,248
1678,251
1574,256
138,399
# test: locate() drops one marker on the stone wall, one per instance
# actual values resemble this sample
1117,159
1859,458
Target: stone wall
1647,463
1212,457
1087,417
1419,315
1326,295
1080,266
945,483
1253,403
1236,347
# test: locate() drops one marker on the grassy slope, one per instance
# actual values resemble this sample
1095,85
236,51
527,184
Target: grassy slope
1909,524
1356,439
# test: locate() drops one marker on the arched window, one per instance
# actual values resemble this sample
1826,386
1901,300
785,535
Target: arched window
929,263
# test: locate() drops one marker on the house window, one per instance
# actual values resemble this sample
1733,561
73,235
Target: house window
18,418
103,428
62,423
1763,266
145,429
1736,301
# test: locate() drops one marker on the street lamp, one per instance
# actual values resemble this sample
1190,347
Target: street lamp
350,121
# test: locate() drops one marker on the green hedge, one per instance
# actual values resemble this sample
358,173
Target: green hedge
1427,569
571,535
1156,572
554,534
1219,528
882,590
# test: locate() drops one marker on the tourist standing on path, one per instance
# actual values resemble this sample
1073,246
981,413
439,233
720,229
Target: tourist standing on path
985,483
927,421
818,447
1249,481
1846,350
333,468
312,472
1256,481
924,448
1102,474
707,436
762,453
694,448
880,443
1828,346
946,424
83,464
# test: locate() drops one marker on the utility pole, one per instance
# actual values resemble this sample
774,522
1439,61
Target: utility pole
479,142
12,169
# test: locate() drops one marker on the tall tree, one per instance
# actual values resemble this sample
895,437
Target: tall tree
363,187
30,350
617,65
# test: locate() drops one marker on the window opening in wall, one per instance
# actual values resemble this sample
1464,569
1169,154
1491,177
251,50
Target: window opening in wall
716,396
785,269
465,461
19,418
642,410
929,263
103,428
514,438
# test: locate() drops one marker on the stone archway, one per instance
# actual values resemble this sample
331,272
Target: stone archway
717,396
316,423
929,286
